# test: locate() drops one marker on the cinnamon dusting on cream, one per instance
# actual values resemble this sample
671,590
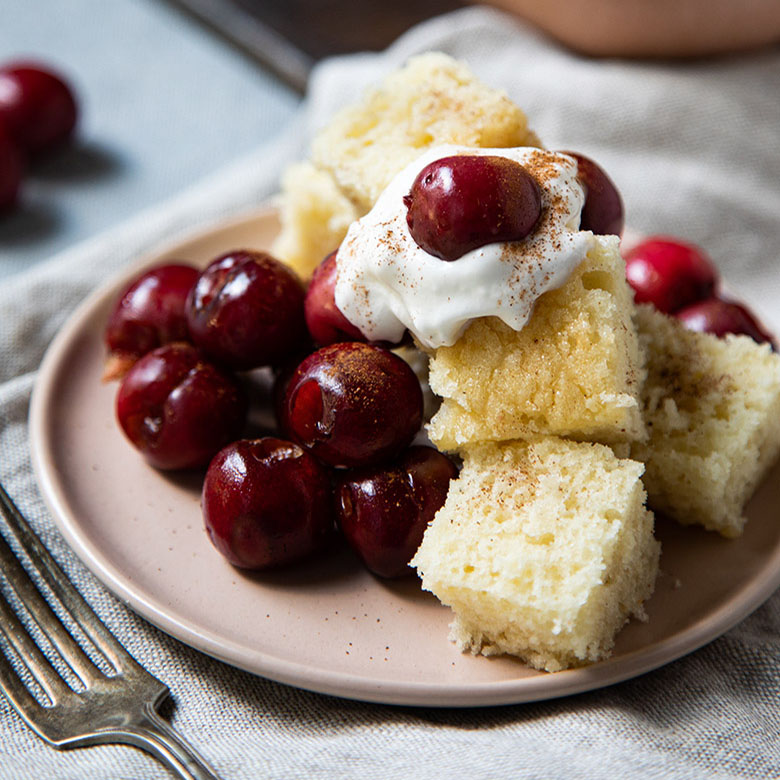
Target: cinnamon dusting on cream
387,283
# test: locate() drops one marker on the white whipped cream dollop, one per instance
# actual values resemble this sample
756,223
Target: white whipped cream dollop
387,283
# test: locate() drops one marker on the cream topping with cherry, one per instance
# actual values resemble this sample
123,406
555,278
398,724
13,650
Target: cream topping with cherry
387,283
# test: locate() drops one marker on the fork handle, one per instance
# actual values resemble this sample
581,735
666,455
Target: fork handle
151,733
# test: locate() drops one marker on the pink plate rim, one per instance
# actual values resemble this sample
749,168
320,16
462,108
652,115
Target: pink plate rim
617,669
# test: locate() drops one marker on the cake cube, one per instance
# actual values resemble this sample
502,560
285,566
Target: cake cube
574,370
543,550
433,100
315,216
712,408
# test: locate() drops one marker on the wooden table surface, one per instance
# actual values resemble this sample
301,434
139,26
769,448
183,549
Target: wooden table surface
289,36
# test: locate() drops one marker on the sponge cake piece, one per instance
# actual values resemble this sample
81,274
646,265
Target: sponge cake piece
543,549
712,408
574,370
315,216
433,100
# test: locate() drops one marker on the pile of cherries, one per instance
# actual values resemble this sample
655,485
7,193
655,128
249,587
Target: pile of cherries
347,412
37,115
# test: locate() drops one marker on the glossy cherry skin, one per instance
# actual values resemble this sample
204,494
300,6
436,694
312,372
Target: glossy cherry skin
720,317
383,511
326,323
178,409
460,203
246,310
669,273
266,503
36,106
603,209
352,404
11,171
150,313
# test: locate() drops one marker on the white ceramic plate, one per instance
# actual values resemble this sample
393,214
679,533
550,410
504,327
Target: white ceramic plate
329,626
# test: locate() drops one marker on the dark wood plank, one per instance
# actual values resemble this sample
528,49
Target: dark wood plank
324,27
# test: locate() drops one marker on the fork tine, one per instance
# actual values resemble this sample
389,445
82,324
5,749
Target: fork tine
42,614
70,598
30,654
114,709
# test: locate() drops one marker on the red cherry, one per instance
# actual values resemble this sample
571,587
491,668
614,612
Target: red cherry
352,404
720,317
383,511
36,106
326,323
178,409
461,203
148,314
669,273
266,502
603,209
246,310
11,171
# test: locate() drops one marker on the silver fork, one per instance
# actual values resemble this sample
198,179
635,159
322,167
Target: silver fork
119,708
